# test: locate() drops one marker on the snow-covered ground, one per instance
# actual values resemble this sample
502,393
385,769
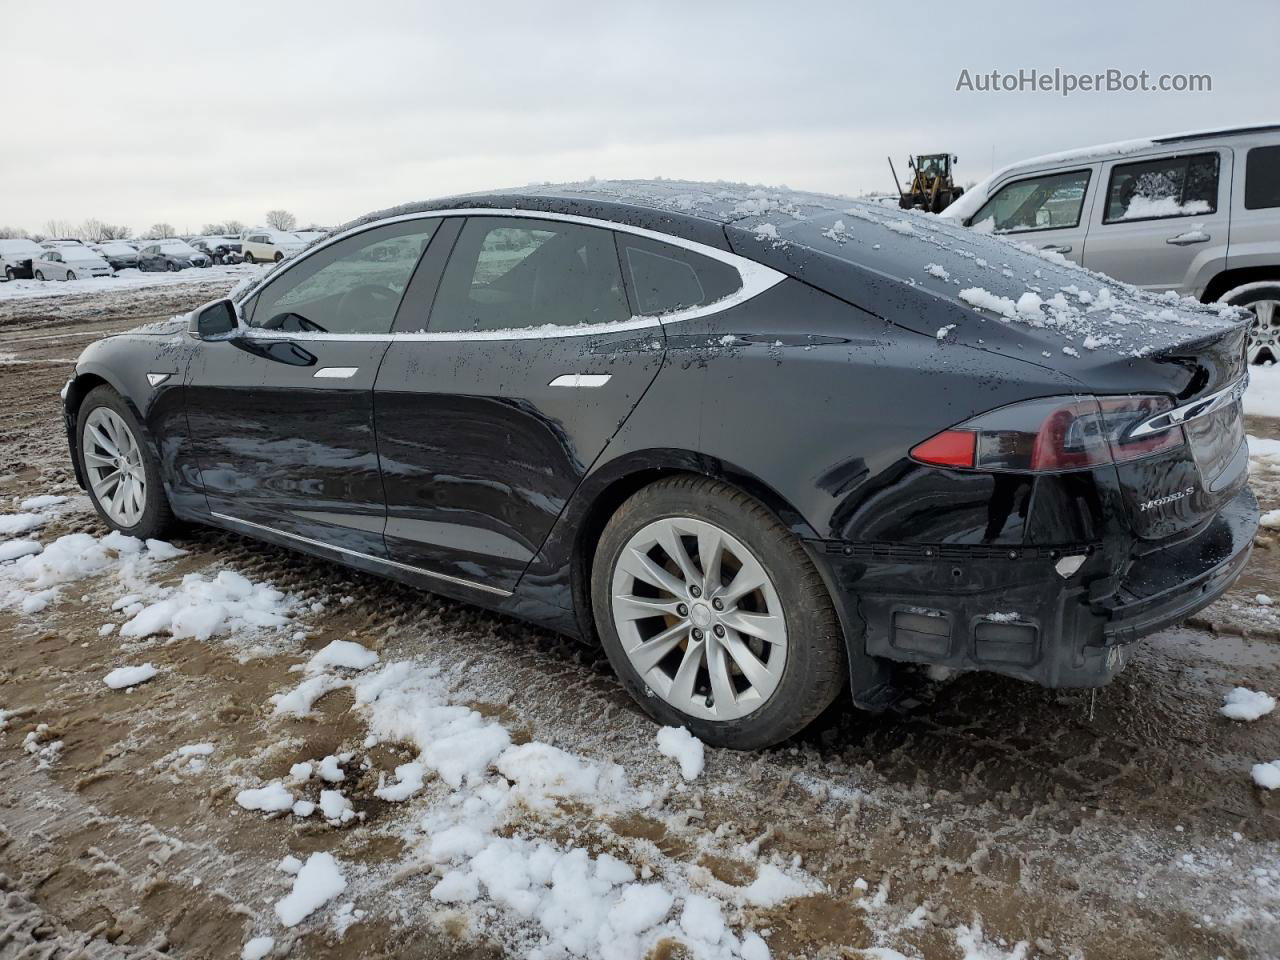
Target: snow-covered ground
1263,396
130,279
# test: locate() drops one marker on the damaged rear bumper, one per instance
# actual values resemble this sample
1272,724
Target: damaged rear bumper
1010,610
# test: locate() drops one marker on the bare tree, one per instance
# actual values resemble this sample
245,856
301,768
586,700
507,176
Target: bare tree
234,227
61,228
158,231
12,233
96,231
281,220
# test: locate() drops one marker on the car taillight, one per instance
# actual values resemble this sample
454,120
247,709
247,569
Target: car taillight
1052,435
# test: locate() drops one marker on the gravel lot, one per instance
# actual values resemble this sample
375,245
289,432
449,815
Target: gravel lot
990,819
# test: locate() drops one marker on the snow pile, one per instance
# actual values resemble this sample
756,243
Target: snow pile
123,677
976,947
128,279
683,747
1267,775
1245,704
14,523
257,948
273,798
1143,208
317,882
570,901
33,579
342,653
202,608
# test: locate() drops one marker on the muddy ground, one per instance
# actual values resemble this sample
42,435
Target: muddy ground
1118,825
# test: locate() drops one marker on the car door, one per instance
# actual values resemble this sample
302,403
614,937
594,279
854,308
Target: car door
281,413
1048,210
488,419
1162,221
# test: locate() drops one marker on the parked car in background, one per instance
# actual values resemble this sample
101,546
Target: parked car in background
118,253
76,262
1195,213
219,249
258,246
689,457
16,256
171,254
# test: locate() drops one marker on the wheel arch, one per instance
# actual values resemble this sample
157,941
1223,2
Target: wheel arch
79,387
1228,280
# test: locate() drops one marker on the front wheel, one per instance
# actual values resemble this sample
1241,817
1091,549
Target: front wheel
39,275
279,256
121,473
713,615
248,258
71,274
173,267
9,274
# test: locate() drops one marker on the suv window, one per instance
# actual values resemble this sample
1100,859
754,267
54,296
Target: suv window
1048,202
665,278
353,286
1262,178
1168,187
508,273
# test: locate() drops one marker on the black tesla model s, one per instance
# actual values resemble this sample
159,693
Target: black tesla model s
763,444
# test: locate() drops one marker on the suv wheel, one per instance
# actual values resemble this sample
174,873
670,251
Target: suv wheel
39,275
248,257
713,615
279,256
122,475
1262,299
9,274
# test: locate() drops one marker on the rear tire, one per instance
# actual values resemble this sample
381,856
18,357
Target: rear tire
109,435
9,275
677,651
173,267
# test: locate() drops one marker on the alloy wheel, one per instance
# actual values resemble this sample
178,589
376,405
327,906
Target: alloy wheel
1264,331
699,618
113,460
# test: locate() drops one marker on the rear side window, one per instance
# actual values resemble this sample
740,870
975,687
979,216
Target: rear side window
1050,202
1262,178
1168,187
665,278
513,273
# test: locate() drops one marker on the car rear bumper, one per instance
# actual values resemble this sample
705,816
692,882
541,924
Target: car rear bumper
1010,611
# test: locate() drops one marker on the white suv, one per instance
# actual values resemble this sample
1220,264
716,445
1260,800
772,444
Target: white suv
1195,213
258,246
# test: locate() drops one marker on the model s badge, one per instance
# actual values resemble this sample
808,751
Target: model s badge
1161,501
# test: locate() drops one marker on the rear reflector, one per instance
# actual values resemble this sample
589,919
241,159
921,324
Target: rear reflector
951,448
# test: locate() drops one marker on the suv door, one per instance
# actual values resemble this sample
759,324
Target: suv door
281,414
1163,221
1049,210
490,412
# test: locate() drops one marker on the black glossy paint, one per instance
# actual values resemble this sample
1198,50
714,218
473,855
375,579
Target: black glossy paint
454,465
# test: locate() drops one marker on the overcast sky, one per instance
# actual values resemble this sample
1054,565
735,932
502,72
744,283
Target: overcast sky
192,112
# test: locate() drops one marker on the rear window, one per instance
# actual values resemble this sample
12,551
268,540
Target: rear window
1168,187
665,278
1262,178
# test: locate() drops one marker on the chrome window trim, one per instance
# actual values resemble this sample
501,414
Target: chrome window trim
1193,410
499,591
756,279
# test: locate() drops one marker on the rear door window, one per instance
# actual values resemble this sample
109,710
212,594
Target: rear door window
1262,178
664,278
1158,189
516,273
1048,202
